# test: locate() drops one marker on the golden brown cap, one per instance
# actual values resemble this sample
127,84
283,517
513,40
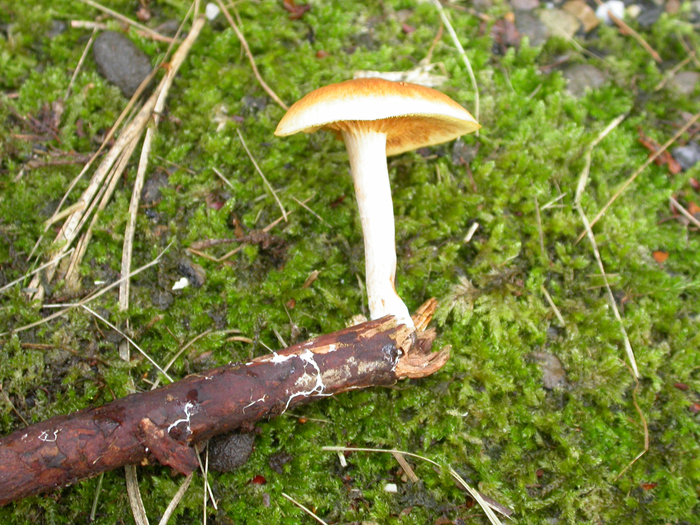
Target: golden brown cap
412,116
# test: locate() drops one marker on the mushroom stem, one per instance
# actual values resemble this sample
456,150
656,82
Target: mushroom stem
367,153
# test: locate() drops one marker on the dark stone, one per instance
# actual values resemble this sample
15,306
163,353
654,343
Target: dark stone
195,273
279,460
230,451
161,299
57,27
151,188
253,105
121,62
687,156
649,15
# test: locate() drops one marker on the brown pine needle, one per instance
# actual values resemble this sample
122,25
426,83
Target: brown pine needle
269,186
684,212
304,509
583,180
405,466
630,180
244,43
148,31
462,53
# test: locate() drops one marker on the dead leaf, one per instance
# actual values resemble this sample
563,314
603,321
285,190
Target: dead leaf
664,158
295,11
660,256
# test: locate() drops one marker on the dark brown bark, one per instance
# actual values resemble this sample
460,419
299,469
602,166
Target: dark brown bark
163,425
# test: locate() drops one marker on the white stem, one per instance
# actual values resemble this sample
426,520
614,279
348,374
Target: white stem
367,152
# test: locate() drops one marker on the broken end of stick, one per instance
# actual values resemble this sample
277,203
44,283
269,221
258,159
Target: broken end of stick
419,361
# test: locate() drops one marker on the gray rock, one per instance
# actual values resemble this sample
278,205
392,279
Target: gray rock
524,5
685,82
120,61
58,27
553,374
528,24
230,451
687,156
582,77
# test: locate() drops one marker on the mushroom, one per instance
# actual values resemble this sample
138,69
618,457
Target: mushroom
377,118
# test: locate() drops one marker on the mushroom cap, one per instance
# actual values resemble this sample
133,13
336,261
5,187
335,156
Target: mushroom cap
412,116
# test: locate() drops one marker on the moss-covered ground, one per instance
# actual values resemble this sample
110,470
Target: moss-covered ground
552,455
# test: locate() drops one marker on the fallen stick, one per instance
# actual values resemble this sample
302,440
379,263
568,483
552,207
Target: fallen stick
164,425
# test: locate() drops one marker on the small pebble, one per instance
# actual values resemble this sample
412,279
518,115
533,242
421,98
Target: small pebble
684,82
528,24
583,77
182,283
391,488
211,11
616,7
687,156
553,373
120,61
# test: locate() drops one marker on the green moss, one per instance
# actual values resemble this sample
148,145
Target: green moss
549,454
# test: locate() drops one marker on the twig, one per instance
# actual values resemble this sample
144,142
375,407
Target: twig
304,509
583,179
554,306
651,159
45,265
88,24
474,493
80,63
456,41
269,186
149,32
176,499
684,212
240,36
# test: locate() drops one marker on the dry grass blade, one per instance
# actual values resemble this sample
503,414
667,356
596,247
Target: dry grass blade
257,168
405,467
91,297
485,505
312,212
457,43
583,180
304,509
98,491
554,306
43,266
644,424
80,63
684,212
132,488
651,159
148,31
176,499
164,88
244,43
226,181
143,353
